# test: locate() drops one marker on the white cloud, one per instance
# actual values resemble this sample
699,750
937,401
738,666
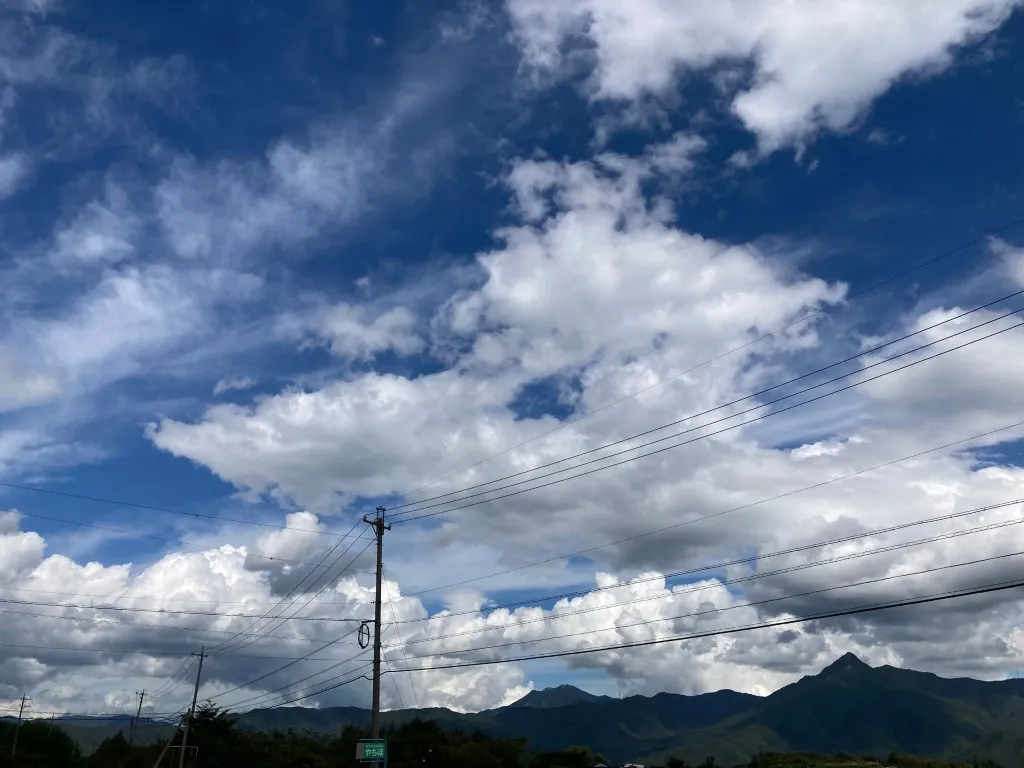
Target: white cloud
234,383
1013,260
305,186
14,170
103,232
227,211
600,293
675,155
31,6
130,311
9,520
84,84
19,387
816,66
223,580
595,293
545,305
351,335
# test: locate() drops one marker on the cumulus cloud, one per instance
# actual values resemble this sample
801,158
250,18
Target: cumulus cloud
350,334
592,245
541,312
614,611
1013,260
797,87
591,292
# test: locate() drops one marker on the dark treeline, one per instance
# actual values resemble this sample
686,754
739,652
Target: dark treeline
417,744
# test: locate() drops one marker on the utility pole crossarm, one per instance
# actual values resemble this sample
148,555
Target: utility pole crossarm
378,528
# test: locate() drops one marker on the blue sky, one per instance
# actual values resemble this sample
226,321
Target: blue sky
262,261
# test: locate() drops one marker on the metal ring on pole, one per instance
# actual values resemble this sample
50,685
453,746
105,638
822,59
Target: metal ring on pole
364,635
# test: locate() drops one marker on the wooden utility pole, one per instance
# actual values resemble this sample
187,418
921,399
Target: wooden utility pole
17,728
378,528
192,711
163,752
138,715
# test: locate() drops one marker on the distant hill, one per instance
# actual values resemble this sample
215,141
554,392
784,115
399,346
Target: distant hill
559,696
847,707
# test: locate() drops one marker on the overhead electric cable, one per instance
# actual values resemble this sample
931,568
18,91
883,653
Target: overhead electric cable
298,585
125,532
172,612
804,318
670,593
673,526
419,514
165,510
281,618
161,598
736,401
705,436
283,666
161,627
401,645
948,595
933,598
268,695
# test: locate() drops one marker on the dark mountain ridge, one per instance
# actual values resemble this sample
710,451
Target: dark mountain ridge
849,706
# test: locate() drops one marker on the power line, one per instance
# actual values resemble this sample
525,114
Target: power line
323,690
164,599
282,667
655,531
169,685
731,416
163,510
401,644
733,350
710,633
163,627
280,618
379,528
700,437
152,652
193,544
863,353
292,683
302,581
170,612
754,604
937,597
724,583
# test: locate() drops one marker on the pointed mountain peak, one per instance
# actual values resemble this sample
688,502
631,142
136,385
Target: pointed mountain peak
559,696
846,662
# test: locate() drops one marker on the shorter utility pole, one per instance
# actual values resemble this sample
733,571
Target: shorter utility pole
49,731
17,728
378,529
135,720
191,713
167,746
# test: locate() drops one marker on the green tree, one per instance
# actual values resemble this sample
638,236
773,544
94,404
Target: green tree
39,746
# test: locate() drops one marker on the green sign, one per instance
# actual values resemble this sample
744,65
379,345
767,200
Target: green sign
372,751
